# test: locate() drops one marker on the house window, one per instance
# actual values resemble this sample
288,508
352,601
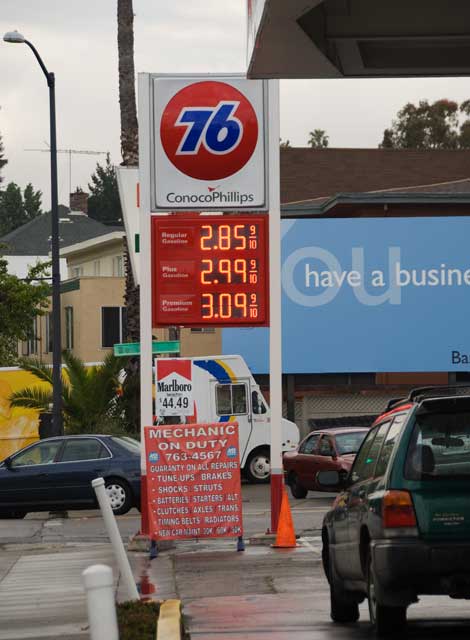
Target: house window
203,330
118,266
77,272
30,347
113,326
69,328
96,268
49,339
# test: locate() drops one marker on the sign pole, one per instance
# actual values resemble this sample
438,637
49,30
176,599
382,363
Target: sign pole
275,333
146,413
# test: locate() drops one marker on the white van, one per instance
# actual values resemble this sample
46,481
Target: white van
223,389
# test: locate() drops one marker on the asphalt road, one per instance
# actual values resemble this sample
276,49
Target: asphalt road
87,526
264,592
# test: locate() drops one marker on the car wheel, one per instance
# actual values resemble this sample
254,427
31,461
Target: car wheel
258,466
343,608
385,620
297,490
119,494
12,515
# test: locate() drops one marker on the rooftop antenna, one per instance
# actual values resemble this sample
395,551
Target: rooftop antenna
71,152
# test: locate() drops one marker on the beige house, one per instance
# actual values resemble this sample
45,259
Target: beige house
93,315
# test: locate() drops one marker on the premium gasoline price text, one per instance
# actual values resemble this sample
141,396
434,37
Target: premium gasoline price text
210,270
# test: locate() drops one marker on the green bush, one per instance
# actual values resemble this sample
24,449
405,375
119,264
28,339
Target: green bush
137,620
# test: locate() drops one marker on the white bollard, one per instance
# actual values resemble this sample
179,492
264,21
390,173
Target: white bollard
116,540
99,588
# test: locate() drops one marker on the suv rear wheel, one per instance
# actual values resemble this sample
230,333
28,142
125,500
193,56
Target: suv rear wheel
385,620
343,608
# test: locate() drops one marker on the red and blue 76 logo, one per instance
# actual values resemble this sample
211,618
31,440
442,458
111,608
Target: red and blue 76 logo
209,130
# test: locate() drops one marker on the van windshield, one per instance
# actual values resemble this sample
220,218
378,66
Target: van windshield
439,447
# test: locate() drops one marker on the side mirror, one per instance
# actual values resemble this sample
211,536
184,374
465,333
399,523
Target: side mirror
331,480
7,463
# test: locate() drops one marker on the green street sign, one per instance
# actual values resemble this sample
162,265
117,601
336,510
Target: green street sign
158,347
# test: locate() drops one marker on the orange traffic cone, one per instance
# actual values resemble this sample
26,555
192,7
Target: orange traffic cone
285,538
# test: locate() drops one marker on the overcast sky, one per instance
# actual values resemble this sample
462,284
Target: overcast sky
77,40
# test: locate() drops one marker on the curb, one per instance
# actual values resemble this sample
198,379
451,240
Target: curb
169,624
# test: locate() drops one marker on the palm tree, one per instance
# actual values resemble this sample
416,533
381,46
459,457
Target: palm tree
318,139
130,158
90,395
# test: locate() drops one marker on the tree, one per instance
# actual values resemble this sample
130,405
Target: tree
32,202
21,301
104,203
90,395
17,208
128,109
12,214
436,125
318,139
3,162
130,158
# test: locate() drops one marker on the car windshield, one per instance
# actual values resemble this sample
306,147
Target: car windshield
128,443
349,442
439,447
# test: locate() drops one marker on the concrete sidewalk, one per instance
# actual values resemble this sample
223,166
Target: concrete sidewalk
41,594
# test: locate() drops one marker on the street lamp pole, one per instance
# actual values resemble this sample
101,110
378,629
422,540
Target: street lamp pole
15,37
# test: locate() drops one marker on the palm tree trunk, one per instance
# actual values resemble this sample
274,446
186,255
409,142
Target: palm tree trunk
129,127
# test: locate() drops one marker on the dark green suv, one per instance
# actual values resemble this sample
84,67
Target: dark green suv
401,526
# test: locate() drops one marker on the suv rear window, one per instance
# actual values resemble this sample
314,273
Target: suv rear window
439,447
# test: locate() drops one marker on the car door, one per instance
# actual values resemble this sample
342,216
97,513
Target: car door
31,482
81,460
325,458
340,516
365,482
304,462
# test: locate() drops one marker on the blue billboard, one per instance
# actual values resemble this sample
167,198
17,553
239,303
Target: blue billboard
369,294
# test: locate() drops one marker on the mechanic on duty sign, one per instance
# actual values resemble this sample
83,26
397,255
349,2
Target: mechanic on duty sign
194,486
209,146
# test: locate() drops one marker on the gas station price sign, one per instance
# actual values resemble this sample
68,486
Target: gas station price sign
210,270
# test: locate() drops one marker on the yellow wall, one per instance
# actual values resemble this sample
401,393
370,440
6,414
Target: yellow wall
18,426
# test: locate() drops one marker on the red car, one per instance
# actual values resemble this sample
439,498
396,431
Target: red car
329,450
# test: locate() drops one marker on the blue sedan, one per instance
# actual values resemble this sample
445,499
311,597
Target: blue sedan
56,474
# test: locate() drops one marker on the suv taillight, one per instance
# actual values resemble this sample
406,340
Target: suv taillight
398,510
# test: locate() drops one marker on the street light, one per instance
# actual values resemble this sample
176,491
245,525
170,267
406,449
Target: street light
18,38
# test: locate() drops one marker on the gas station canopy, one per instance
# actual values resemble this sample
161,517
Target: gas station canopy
358,38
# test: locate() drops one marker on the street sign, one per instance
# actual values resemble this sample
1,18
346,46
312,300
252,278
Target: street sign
208,143
159,347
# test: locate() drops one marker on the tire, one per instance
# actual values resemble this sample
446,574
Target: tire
297,490
258,466
119,494
343,608
386,621
12,515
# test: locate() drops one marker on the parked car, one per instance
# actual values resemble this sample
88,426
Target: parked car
329,450
401,526
56,474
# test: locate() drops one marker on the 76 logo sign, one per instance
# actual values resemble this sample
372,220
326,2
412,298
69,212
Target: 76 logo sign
216,128
207,120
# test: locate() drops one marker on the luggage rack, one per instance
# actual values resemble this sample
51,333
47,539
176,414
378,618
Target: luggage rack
421,393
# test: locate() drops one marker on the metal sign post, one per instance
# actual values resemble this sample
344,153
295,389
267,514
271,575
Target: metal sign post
275,333
146,412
